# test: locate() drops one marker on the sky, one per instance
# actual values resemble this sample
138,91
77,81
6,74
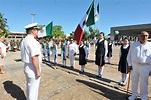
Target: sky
68,13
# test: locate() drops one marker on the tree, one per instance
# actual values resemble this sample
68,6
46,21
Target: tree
93,32
3,25
97,32
3,21
86,35
57,32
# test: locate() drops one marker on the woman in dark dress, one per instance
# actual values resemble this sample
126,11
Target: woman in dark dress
110,50
82,56
123,65
100,54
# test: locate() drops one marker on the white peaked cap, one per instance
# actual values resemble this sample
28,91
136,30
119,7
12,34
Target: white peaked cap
31,25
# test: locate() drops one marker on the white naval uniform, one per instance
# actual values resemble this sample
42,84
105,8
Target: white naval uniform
139,57
29,48
72,50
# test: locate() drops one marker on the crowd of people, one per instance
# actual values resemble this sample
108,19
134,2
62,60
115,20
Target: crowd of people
134,59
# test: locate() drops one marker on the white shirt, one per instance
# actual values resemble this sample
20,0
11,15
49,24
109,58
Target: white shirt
72,49
139,53
29,48
3,48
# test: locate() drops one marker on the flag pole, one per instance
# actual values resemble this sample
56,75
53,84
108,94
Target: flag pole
99,16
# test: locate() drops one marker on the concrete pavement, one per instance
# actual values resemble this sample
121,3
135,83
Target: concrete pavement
58,83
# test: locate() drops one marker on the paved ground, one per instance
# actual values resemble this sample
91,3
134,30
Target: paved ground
59,83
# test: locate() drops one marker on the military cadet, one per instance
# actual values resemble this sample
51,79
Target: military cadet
31,56
82,56
139,61
54,52
48,50
72,51
44,50
63,53
101,53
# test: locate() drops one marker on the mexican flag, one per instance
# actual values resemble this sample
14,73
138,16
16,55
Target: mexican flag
87,20
46,31
97,13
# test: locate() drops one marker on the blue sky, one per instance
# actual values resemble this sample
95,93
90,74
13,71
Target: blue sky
68,13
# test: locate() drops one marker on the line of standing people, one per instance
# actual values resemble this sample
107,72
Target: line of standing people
136,57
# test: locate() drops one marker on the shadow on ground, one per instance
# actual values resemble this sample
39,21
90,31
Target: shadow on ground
104,91
14,90
90,75
18,60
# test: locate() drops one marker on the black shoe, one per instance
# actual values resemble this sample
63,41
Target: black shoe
123,84
64,66
81,72
99,76
71,67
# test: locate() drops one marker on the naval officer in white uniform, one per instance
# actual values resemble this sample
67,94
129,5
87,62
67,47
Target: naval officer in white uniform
139,60
31,56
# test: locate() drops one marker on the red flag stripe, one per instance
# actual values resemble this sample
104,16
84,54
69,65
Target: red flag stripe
78,34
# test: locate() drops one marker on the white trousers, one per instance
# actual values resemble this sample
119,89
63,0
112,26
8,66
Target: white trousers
64,62
72,60
109,59
141,73
32,82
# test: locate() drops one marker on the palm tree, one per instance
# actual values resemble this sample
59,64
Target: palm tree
3,22
3,25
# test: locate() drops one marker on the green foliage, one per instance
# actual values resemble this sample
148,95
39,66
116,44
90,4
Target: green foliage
86,35
57,32
3,22
3,25
93,32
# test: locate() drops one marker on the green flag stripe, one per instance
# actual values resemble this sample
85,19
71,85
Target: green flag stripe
90,12
49,29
